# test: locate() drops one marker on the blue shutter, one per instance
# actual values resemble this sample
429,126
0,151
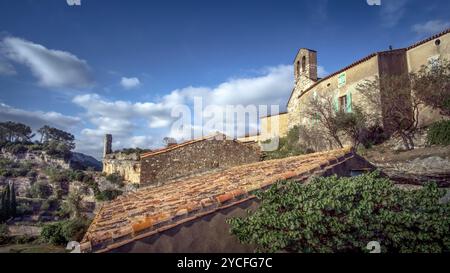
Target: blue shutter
336,102
349,102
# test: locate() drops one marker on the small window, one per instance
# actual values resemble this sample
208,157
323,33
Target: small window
303,64
343,103
298,68
437,42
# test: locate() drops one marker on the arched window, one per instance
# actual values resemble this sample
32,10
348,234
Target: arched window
303,63
298,68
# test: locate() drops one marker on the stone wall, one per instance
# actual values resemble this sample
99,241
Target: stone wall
128,166
196,157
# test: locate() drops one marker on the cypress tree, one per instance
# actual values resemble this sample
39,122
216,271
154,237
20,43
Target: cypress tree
7,203
13,205
2,206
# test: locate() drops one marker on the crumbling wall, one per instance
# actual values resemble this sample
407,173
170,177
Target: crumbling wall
128,166
196,158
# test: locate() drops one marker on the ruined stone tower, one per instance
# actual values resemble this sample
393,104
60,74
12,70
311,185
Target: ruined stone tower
305,66
107,149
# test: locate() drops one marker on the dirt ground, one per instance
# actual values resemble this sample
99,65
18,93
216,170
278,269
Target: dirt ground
381,154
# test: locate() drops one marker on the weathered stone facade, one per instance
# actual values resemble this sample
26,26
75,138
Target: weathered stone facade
195,157
128,166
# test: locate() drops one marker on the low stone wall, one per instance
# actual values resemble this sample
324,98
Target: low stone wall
196,158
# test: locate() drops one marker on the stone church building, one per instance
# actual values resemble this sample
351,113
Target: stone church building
342,84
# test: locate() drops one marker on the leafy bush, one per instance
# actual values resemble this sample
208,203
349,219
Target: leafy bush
65,231
439,133
16,148
288,146
107,195
116,179
9,168
41,189
4,234
344,214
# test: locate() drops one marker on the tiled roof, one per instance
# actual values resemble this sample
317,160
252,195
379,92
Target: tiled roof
177,146
429,39
366,59
154,209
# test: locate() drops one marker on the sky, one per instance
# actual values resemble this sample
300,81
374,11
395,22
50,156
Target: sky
121,67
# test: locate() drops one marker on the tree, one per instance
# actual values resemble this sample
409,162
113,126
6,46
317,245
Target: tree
353,124
344,214
57,142
169,141
74,202
400,107
432,85
8,203
322,110
15,132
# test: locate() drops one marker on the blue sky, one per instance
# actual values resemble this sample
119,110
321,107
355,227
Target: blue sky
120,66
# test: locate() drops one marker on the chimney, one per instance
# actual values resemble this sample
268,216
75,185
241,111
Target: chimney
107,149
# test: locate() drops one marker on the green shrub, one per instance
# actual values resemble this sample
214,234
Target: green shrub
116,179
107,195
288,146
344,214
41,189
439,133
65,231
4,234
16,148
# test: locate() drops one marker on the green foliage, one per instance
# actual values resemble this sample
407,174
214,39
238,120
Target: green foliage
8,204
439,133
60,175
137,151
9,168
41,189
4,234
432,85
116,179
288,146
344,214
65,231
107,195
15,132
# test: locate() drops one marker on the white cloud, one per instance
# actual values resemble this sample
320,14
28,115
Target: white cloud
52,68
431,27
125,119
130,83
6,69
392,11
37,119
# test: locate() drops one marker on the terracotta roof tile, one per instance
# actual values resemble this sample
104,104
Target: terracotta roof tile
154,209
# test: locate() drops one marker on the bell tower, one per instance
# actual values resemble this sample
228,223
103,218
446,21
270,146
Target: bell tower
305,67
